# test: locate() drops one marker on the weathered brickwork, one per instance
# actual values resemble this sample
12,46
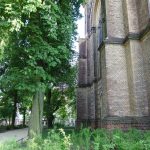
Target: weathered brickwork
138,79
104,95
114,65
146,56
132,16
142,11
117,85
115,18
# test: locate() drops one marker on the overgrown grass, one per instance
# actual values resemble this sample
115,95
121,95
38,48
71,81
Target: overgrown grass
86,139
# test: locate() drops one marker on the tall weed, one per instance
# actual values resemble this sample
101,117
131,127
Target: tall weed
85,139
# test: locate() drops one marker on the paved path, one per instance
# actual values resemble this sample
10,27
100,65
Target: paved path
13,135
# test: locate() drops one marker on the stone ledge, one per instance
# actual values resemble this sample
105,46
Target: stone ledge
130,36
85,123
127,119
125,123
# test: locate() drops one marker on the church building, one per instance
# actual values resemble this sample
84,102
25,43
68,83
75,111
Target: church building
114,65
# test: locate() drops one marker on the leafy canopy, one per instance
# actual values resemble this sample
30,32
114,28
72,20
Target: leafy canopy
37,37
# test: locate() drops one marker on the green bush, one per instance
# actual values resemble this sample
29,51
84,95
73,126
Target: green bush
101,139
10,146
86,139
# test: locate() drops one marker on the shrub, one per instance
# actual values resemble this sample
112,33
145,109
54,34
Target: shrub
86,139
10,146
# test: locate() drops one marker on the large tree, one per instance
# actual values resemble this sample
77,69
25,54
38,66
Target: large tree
38,39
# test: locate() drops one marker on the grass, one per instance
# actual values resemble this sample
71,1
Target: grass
85,139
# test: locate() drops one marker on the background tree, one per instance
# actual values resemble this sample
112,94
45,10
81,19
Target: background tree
6,108
60,94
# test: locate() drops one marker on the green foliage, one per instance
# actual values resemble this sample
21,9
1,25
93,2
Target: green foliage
35,44
5,106
9,146
40,40
56,140
59,102
87,139
100,139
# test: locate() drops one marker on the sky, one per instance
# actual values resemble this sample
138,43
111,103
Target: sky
81,24
81,28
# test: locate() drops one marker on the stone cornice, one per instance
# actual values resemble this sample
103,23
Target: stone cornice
130,36
122,120
126,119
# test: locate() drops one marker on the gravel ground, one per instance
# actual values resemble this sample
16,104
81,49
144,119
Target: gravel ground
13,135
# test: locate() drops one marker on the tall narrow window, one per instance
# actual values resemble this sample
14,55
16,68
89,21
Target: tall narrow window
102,31
100,34
88,18
103,14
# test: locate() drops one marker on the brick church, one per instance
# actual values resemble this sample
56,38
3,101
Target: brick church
114,65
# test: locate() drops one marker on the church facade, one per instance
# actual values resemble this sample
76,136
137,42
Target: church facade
114,65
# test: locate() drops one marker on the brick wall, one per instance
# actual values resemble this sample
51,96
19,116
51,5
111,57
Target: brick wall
115,18
117,83
103,86
146,56
143,13
116,77
132,16
139,81
82,104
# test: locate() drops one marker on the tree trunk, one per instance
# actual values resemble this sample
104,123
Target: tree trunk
24,117
9,120
49,111
6,122
50,120
14,112
35,125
